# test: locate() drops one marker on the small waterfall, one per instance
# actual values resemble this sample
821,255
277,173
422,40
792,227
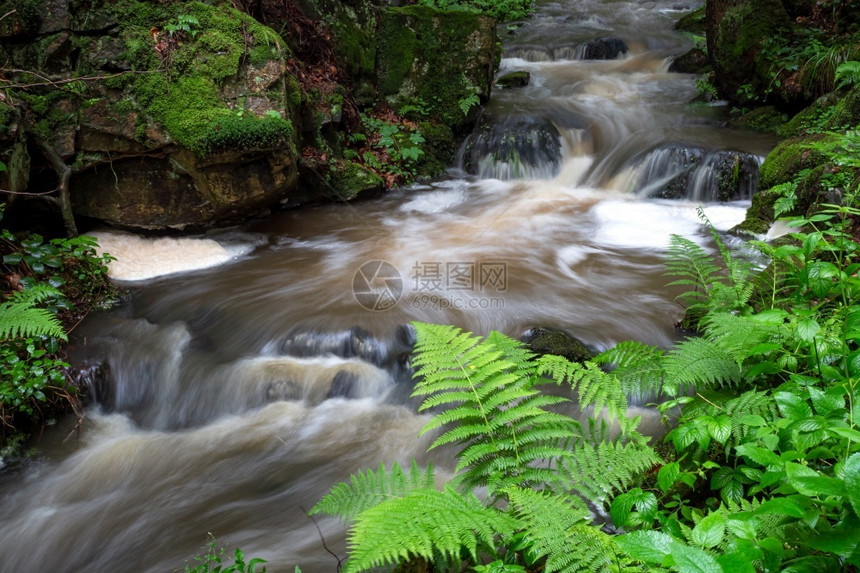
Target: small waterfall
688,172
604,48
514,147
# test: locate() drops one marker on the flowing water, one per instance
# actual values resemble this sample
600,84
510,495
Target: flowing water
231,398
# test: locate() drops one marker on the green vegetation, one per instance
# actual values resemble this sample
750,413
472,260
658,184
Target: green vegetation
48,285
502,10
216,560
760,468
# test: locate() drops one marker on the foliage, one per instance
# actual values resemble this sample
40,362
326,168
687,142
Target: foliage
502,10
509,441
389,145
762,459
243,131
184,23
848,74
216,560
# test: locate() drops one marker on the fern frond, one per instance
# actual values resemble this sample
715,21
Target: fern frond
751,403
424,523
599,471
594,387
694,267
848,74
743,336
369,489
19,316
698,362
558,529
637,367
490,406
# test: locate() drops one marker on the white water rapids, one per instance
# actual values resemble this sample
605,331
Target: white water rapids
235,395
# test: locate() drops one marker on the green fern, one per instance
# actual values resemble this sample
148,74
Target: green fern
694,268
491,408
700,363
559,531
19,316
848,74
368,489
424,523
599,471
637,367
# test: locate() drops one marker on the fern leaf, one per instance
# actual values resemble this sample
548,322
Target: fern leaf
19,316
598,472
558,529
488,406
424,523
698,362
637,367
694,267
369,489
594,387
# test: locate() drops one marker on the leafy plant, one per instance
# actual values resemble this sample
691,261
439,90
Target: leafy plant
216,560
502,10
183,23
510,442
848,74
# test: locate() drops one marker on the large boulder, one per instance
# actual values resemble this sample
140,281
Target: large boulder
737,31
440,62
190,123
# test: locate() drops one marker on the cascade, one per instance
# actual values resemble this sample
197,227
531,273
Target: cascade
229,396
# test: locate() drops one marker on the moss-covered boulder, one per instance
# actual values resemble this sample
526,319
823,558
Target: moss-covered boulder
545,340
736,34
441,62
190,122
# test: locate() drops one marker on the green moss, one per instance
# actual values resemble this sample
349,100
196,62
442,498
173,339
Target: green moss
438,149
766,119
694,22
350,180
239,132
425,57
788,159
760,215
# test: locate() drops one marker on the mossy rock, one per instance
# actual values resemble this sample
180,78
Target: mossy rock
544,340
436,60
514,79
767,119
694,22
439,148
789,158
759,216
349,180
736,31
694,61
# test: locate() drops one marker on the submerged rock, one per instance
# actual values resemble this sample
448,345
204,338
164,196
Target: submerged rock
514,79
689,172
513,147
545,340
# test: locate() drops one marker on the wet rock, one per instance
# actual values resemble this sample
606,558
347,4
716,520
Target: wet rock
342,385
736,31
545,340
690,172
514,79
694,61
353,343
436,59
604,49
513,147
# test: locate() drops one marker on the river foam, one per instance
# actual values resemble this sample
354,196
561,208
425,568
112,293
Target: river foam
141,258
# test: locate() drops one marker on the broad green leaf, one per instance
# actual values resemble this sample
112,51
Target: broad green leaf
821,276
792,405
851,471
694,560
667,475
740,557
710,531
720,428
807,329
647,546
781,506
758,455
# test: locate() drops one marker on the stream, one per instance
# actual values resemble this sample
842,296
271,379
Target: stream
235,396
